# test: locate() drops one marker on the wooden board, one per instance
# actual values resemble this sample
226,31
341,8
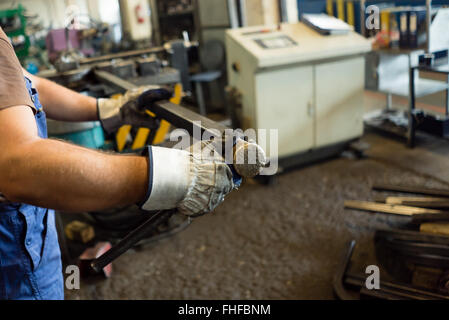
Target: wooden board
422,202
412,189
439,228
387,208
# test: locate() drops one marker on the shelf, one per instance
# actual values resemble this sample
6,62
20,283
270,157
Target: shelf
176,14
392,121
438,69
399,51
395,121
423,87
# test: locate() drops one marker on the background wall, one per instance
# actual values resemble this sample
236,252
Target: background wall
260,12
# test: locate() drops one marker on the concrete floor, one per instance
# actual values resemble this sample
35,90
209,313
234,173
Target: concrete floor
282,241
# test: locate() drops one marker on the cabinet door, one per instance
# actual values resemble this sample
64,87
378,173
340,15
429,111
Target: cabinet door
339,100
284,98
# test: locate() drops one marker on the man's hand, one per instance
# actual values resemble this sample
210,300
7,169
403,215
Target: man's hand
128,109
195,182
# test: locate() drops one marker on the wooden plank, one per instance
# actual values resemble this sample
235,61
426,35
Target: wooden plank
388,208
412,189
439,228
422,202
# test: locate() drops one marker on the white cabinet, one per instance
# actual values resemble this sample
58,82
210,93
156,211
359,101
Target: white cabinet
311,106
339,90
284,98
308,86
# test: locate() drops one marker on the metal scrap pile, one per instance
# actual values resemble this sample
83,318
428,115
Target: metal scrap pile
415,255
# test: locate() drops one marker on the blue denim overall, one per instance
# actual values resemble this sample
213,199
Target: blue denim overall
30,259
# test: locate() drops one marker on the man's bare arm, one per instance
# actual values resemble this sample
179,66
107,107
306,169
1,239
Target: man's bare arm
53,174
64,104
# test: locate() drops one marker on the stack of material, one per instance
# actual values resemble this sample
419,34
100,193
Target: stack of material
430,210
418,254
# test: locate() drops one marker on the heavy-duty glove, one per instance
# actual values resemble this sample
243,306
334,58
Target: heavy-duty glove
194,182
128,109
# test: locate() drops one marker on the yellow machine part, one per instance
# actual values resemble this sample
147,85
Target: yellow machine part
350,15
341,10
330,7
143,133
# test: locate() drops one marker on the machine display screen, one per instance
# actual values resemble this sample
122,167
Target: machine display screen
277,42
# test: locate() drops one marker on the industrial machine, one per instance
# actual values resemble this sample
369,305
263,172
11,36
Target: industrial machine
306,85
139,67
13,23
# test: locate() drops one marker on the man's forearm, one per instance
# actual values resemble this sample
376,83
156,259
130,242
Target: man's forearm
64,104
53,174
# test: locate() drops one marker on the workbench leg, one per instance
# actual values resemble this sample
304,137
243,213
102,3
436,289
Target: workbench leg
389,106
447,97
200,98
411,114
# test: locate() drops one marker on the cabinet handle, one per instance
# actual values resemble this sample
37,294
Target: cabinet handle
236,67
310,109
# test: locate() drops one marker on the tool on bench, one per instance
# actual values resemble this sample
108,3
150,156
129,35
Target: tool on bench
228,139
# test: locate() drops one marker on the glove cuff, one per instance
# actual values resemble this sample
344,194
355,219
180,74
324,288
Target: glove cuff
108,108
168,178
109,115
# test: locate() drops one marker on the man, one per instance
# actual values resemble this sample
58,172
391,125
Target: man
38,173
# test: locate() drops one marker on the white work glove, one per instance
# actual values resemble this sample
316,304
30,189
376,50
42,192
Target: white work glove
129,108
194,182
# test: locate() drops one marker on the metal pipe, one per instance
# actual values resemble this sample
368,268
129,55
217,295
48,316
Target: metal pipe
131,239
233,13
395,288
113,80
362,17
339,276
411,114
429,22
447,96
120,55
178,116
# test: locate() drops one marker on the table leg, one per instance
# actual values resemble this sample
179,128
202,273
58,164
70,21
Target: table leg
447,96
389,106
200,97
411,114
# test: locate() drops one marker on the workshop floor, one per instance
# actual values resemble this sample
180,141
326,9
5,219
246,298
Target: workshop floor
277,242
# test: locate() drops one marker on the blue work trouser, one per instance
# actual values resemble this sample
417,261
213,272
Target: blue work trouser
30,259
